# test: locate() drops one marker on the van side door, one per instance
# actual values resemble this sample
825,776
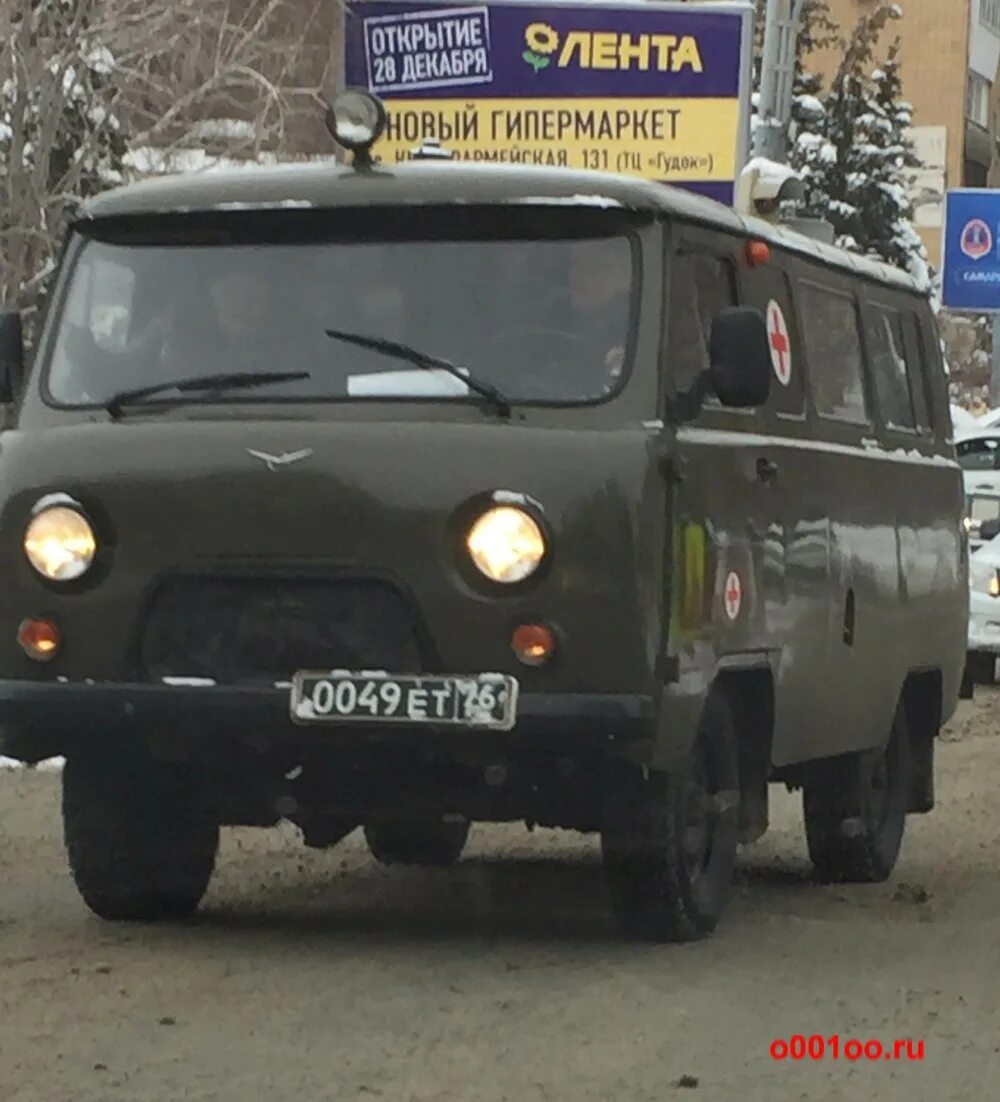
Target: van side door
724,516
800,624
858,488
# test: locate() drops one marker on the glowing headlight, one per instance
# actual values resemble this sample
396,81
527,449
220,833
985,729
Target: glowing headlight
506,544
60,543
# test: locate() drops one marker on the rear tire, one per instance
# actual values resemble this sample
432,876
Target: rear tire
416,842
855,811
669,845
140,836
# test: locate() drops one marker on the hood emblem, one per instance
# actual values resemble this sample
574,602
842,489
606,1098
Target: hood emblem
275,461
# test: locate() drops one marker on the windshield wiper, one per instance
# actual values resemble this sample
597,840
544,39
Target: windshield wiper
496,398
233,380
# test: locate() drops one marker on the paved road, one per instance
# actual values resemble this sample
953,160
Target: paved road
320,976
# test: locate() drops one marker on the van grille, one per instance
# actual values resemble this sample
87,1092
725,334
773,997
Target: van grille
249,630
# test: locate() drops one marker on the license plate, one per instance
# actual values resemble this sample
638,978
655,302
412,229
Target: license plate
487,700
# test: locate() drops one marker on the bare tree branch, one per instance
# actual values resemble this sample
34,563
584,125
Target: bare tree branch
82,79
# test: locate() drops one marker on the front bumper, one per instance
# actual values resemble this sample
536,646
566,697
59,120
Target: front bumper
40,719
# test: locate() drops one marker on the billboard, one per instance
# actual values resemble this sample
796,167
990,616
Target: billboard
658,90
971,275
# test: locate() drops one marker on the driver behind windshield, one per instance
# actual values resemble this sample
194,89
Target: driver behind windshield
250,333
229,324
600,282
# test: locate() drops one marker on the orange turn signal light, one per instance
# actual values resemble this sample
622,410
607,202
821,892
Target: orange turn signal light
533,644
758,253
39,639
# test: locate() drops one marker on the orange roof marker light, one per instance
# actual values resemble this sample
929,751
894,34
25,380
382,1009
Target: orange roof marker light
758,253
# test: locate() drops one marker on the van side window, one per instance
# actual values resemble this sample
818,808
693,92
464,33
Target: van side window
833,349
916,366
701,286
761,287
887,357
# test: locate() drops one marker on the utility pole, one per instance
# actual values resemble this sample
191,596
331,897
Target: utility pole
777,78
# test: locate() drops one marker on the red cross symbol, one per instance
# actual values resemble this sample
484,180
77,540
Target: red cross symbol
733,595
781,348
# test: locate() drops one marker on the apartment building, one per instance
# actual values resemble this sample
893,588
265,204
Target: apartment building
951,75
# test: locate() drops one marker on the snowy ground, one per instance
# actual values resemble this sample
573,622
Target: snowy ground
320,975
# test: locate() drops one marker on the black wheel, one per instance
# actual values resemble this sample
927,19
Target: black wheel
140,836
669,843
416,842
855,811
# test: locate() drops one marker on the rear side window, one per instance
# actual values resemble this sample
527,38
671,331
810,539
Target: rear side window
916,369
833,349
887,357
701,286
767,290
978,455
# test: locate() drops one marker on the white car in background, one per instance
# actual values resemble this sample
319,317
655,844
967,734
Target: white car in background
984,609
979,457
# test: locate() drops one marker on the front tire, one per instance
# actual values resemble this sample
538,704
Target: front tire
669,844
409,842
140,836
855,811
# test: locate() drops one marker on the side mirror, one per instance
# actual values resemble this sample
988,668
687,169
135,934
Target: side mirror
989,530
11,355
740,358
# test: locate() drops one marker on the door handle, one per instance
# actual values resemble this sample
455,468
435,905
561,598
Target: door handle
767,469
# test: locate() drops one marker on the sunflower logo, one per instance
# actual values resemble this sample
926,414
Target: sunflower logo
542,40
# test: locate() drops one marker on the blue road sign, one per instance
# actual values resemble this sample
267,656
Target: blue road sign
971,276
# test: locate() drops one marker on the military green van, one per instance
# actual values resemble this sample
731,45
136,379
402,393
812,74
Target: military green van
399,498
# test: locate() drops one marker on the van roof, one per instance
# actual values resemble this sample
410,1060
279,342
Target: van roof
328,184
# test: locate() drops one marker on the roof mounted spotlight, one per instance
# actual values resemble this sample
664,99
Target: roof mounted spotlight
356,119
764,186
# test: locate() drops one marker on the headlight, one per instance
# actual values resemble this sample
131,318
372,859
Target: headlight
60,543
506,544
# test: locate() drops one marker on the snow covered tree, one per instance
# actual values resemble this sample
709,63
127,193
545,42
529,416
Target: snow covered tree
817,31
60,135
91,88
853,153
885,211
810,151
833,166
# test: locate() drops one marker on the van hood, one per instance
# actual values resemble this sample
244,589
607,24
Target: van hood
381,499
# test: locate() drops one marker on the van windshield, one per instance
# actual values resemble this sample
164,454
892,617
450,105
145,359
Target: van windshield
541,321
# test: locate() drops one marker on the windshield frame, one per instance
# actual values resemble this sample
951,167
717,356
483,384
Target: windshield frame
348,225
